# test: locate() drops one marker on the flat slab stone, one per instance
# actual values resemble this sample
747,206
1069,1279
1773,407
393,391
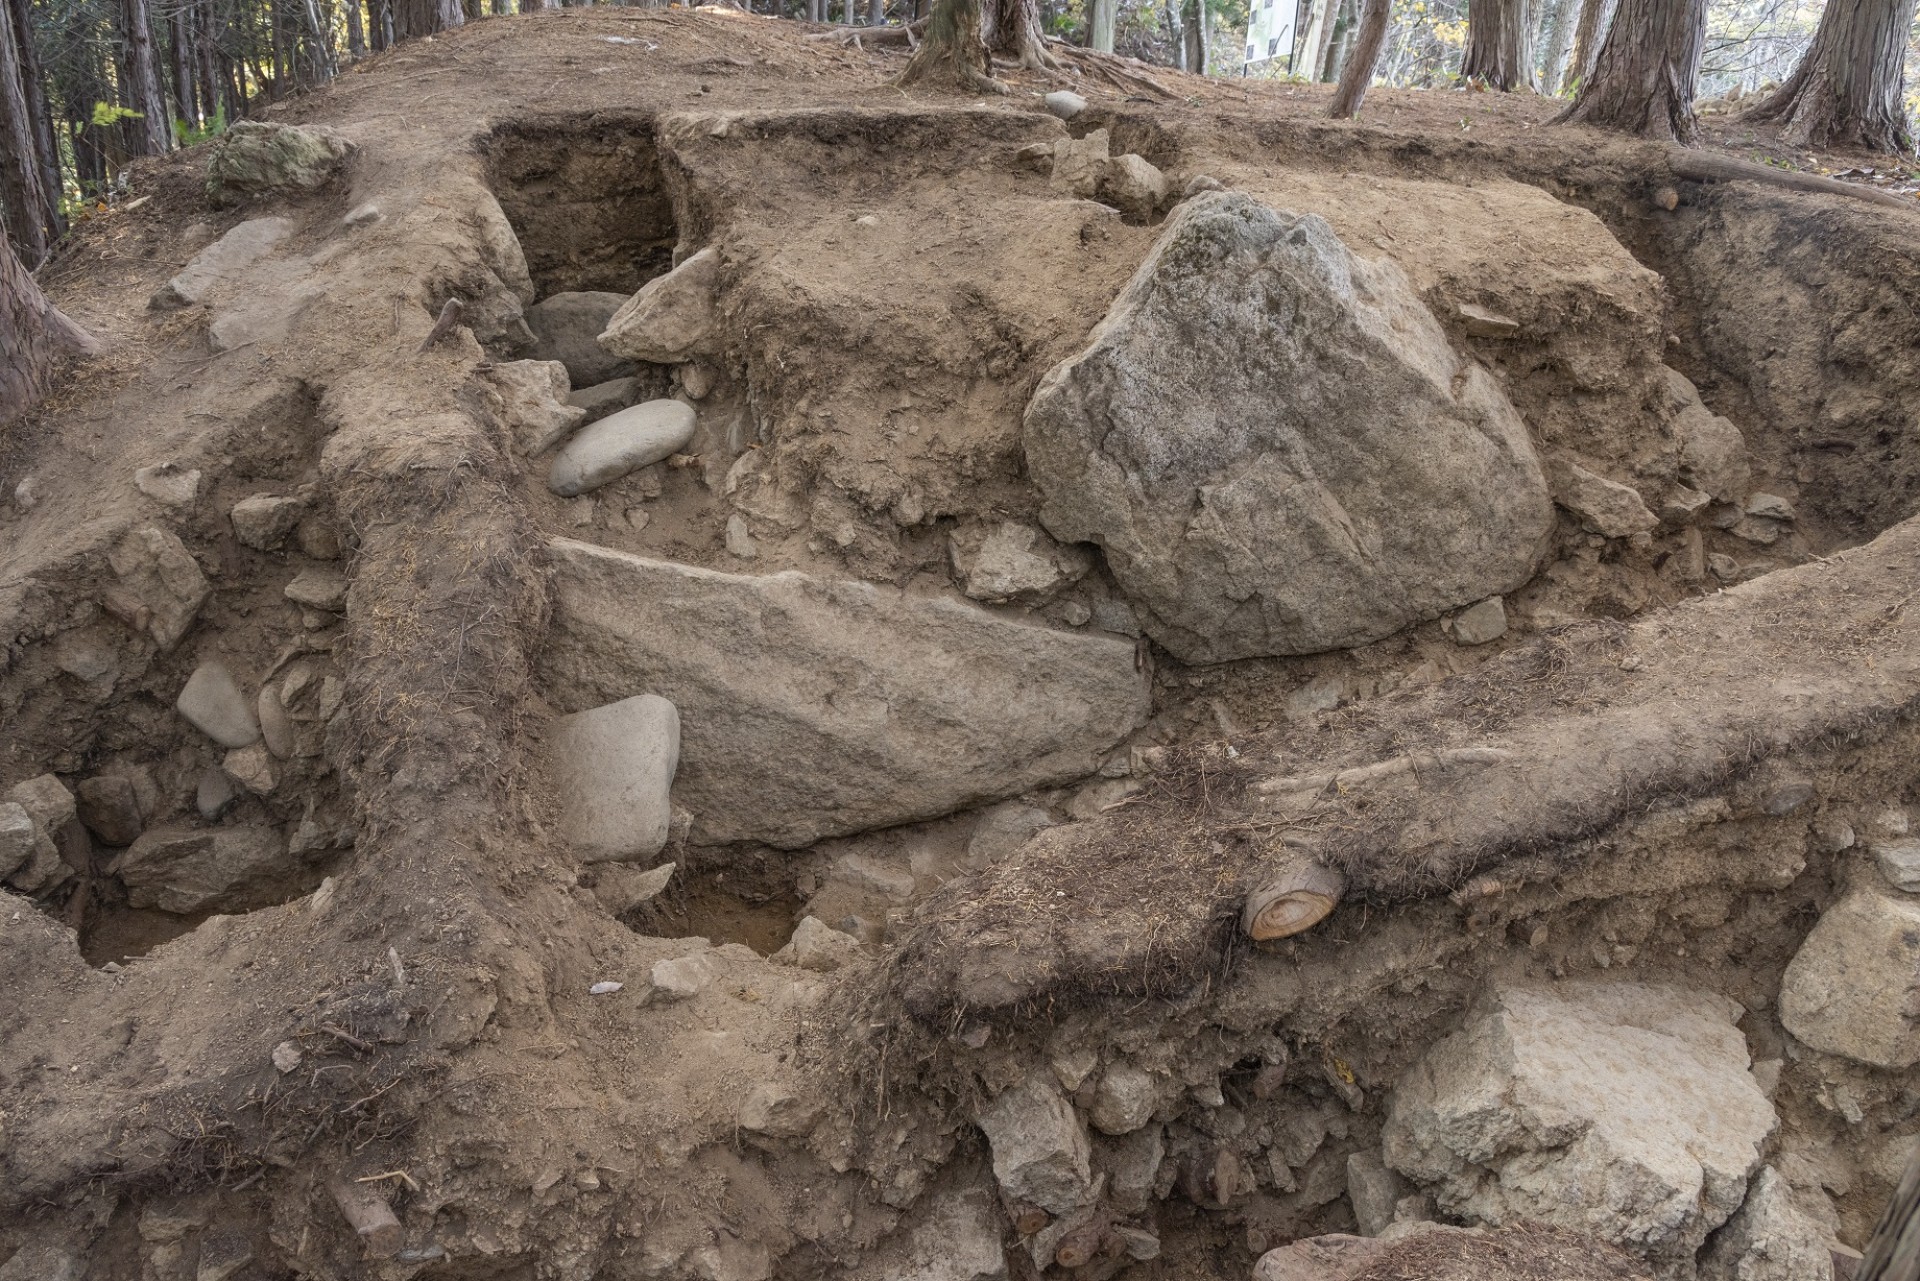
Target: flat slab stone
226,869
620,443
615,765
816,707
222,262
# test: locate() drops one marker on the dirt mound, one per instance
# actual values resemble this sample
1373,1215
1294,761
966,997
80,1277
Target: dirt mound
304,977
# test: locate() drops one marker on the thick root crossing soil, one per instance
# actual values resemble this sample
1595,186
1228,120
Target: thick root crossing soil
950,977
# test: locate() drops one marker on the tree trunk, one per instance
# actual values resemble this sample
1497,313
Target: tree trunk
952,53
1499,37
39,336
1358,73
40,114
1305,63
1643,80
1197,33
1013,32
356,31
1555,41
1340,42
876,13
22,179
1596,16
1893,1251
1100,19
146,135
414,18
1847,90
180,63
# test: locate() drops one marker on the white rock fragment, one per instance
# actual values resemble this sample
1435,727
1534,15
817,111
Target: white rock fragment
1041,1153
674,318
1011,560
286,1057
606,987
1853,988
776,1111
682,978
263,521
160,588
1899,861
168,484
534,400
615,766
213,704
1124,1099
1605,506
740,542
621,443
1481,623
817,946
1065,103
318,588
1621,1109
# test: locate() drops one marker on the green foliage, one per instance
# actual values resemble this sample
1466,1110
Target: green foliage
186,135
107,114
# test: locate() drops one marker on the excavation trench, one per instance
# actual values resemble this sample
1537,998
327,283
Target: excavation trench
1640,782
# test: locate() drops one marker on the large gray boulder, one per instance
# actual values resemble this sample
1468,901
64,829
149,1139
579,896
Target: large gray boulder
1277,447
1041,1153
814,707
1622,1109
228,869
256,158
615,766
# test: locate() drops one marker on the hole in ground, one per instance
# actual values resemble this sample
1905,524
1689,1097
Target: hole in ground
588,201
753,902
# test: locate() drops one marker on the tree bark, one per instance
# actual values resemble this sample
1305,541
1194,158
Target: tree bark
22,180
1340,41
1199,28
1358,73
952,53
1893,1251
180,63
1847,90
1596,17
1499,39
39,336
356,31
1643,80
1556,39
1012,30
40,114
414,18
876,13
1101,15
147,134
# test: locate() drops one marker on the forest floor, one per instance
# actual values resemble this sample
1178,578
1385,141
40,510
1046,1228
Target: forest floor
259,986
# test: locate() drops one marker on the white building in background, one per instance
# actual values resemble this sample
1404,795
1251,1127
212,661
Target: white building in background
1270,34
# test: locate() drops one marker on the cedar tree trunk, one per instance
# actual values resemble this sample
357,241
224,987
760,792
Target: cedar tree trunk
1643,80
1847,90
1358,73
38,336
1499,44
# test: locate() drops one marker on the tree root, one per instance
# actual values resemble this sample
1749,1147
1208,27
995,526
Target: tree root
1114,69
1699,166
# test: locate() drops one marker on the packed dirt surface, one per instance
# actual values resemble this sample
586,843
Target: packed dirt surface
908,688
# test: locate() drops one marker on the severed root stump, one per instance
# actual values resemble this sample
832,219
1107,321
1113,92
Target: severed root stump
1296,897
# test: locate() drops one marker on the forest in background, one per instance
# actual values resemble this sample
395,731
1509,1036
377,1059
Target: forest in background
85,85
